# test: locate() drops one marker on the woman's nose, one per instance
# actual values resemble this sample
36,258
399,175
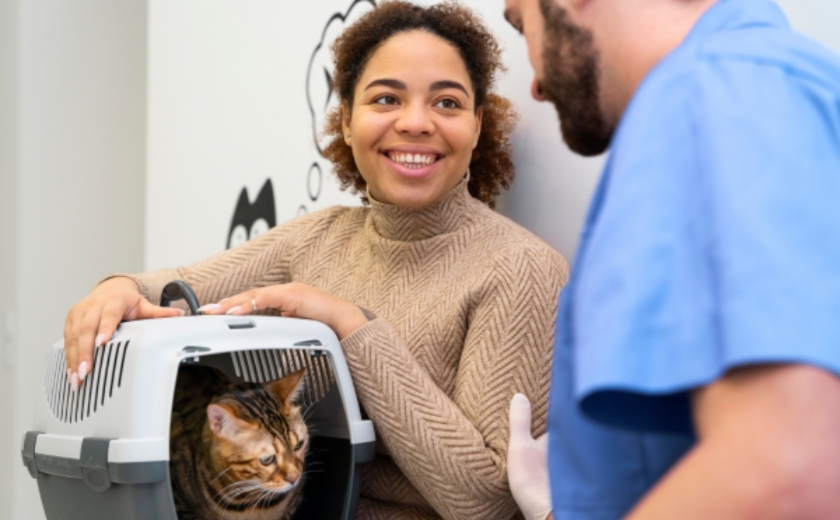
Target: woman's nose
415,119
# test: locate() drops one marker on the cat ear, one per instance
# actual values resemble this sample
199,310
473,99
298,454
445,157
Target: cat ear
223,421
287,389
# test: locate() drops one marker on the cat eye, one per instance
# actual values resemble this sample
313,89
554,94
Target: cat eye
299,445
267,460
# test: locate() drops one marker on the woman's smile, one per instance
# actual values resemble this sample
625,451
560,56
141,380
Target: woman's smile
413,161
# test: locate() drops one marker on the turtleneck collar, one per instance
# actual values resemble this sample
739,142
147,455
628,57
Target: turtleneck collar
445,215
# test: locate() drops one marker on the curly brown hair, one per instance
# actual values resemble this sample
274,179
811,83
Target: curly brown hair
491,167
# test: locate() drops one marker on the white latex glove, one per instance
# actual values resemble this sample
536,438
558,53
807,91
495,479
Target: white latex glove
527,463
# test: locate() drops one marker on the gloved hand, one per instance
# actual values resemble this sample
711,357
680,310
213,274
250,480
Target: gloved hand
527,463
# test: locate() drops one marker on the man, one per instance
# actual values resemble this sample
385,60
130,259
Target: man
698,352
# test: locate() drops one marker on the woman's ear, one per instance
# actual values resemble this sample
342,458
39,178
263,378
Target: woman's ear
345,122
479,114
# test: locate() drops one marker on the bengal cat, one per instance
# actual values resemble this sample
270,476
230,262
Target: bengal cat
236,450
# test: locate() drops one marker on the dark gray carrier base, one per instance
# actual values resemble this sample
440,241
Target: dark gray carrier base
93,489
71,499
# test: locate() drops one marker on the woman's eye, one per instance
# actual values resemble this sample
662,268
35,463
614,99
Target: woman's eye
299,445
267,460
448,103
385,100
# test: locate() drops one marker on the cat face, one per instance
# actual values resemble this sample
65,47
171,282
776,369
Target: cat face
259,436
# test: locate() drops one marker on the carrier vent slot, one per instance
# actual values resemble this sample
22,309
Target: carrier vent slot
122,363
235,358
97,377
263,365
98,387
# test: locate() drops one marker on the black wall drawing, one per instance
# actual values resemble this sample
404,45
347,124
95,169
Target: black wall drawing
319,90
251,220
319,74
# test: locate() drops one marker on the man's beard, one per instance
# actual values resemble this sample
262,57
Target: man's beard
570,64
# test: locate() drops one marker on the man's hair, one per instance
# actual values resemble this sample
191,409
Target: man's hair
491,167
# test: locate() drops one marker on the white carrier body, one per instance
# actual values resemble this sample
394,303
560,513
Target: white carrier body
108,442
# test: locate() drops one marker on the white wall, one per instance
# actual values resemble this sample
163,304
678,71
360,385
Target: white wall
79,144
816,18
8,242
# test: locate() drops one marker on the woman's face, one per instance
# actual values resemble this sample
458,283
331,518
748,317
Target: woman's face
413,125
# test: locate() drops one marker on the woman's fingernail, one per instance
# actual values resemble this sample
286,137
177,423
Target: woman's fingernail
209,307
181,312
74,382
69,374
83,370
234,310
98,341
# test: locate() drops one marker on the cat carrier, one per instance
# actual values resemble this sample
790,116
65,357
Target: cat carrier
102,452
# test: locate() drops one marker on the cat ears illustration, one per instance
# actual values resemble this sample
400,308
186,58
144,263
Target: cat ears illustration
319,74
251,220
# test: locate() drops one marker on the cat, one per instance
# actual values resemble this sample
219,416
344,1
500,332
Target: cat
252,220
236,450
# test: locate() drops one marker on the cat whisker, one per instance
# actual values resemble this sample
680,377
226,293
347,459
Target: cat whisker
265,494
220,475
237,489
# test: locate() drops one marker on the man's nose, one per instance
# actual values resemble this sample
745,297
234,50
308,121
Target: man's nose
536,90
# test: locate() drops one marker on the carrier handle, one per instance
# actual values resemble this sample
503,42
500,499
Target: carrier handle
179,290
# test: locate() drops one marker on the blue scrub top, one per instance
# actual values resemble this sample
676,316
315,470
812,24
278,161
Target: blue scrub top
713,241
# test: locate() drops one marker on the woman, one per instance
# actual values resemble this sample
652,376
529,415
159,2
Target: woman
444,308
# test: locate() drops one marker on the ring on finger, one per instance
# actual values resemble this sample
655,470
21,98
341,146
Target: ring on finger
254,304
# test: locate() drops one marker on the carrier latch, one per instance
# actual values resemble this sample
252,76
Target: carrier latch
94,463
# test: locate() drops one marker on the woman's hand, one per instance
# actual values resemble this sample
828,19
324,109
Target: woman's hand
298,301
527,463
93,321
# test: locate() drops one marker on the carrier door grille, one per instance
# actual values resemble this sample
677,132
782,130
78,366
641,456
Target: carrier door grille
96,390
263,365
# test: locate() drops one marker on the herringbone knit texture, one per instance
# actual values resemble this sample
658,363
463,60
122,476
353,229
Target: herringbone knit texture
465,303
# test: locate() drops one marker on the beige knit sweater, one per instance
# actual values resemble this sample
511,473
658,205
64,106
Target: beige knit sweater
465,302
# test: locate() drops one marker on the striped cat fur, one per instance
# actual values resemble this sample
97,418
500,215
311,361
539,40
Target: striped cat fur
236,450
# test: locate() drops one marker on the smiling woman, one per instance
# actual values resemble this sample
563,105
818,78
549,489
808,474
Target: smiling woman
434,68
444,308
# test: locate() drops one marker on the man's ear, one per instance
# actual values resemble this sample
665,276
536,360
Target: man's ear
479,115
345,122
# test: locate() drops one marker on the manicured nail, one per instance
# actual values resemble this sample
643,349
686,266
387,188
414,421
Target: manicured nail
74,382
209,307
98,341
83,370
181,312
234,310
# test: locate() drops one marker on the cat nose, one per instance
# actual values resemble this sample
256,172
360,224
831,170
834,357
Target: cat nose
292,477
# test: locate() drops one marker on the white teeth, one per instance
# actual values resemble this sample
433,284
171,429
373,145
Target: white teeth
412,160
